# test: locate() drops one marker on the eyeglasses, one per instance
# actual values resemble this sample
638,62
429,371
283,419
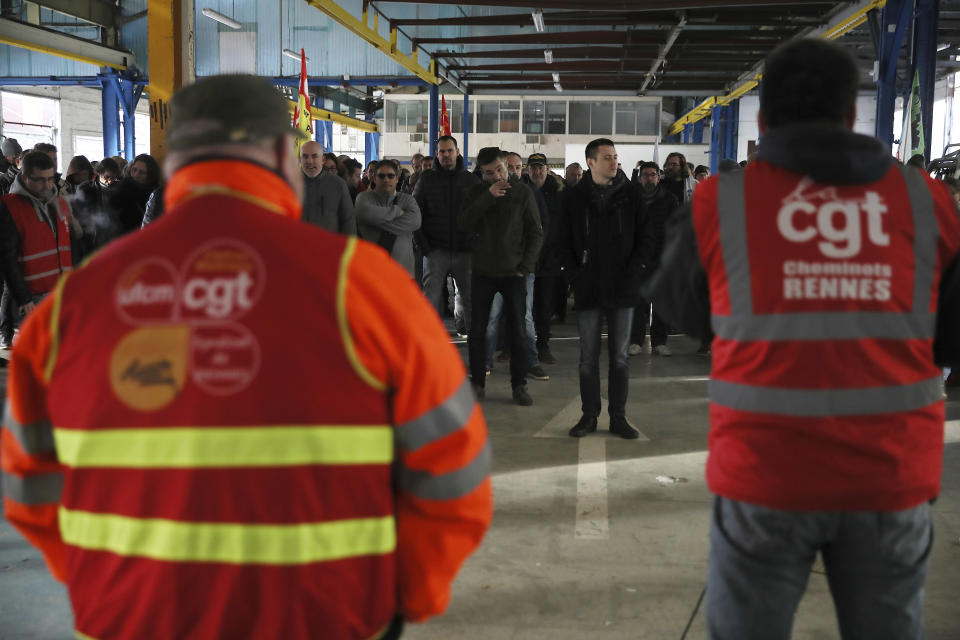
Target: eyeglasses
650,174
387,176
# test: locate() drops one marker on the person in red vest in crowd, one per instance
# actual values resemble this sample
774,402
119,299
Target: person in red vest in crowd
34,232
194,464
825,271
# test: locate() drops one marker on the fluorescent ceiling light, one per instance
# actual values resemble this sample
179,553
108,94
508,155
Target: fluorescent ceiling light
222,19
556,77
942,47
538,20
556,85
548,56
290,53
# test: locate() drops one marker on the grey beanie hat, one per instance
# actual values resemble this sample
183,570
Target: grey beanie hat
10,147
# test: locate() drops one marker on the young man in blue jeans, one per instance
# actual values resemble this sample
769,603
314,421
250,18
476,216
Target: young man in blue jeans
604,248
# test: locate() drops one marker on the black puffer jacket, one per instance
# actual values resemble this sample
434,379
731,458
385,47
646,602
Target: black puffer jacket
604,243
439,194
552,194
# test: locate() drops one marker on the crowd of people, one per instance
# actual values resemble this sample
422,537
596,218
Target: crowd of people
824,274
50,221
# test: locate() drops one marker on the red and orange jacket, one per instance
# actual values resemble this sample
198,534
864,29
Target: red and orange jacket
270,437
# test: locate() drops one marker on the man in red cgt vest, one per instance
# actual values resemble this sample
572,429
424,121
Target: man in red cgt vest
192,462
818,271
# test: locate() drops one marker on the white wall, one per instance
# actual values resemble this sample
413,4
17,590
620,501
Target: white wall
81,113
749,105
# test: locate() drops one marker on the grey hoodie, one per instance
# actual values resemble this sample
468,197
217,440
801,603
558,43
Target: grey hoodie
396,213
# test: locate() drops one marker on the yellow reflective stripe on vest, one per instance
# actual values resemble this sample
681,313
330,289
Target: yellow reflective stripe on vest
192,447
174,541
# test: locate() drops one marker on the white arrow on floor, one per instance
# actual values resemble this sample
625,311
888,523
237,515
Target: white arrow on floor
593,521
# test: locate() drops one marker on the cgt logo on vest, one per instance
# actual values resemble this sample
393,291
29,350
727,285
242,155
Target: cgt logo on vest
222,280
839,226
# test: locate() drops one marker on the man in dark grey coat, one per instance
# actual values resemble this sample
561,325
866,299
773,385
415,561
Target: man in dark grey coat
326,198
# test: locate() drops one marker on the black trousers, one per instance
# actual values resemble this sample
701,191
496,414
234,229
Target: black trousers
544,297
513,289
658,328
394,631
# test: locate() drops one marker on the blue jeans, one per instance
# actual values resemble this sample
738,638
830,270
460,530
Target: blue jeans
589,322
436,265
760,561
529,335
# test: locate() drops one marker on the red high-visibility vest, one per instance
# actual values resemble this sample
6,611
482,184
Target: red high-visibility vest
824,394
44,253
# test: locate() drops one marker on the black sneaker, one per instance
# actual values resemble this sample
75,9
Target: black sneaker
521,397
587,424
479,391
543,352
619,426
537,373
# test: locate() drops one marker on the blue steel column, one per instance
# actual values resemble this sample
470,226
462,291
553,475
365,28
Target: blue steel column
697,132
894,19
433,119
110,99
925,42
466,131
714,138
729,129
129,97
686,133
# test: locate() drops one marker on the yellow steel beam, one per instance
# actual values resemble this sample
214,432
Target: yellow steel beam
164,38
832,32
388,47
34,38
316,113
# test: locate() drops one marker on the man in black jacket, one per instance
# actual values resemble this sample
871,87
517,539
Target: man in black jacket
658,203
502,214
604,247
548,266
446,249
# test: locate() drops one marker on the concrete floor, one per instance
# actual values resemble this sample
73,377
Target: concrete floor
598,539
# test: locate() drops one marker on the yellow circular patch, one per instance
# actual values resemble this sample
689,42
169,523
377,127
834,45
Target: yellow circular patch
149,366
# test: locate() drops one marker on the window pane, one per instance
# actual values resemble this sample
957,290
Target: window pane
488,116
417,118
455,108
509,104
626,120
601,118
390,120
533,116
579,117
509,121
556,117
647,119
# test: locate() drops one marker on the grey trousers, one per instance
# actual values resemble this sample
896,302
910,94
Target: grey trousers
760,560
436,265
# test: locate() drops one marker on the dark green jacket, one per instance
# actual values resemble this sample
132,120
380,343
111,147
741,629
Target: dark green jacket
506,231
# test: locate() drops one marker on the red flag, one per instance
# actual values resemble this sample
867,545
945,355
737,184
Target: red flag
444,117
301,114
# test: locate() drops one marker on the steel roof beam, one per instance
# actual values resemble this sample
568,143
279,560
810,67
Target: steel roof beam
629,37
627,5
638,66
389,47
94,11
636,20
28,36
